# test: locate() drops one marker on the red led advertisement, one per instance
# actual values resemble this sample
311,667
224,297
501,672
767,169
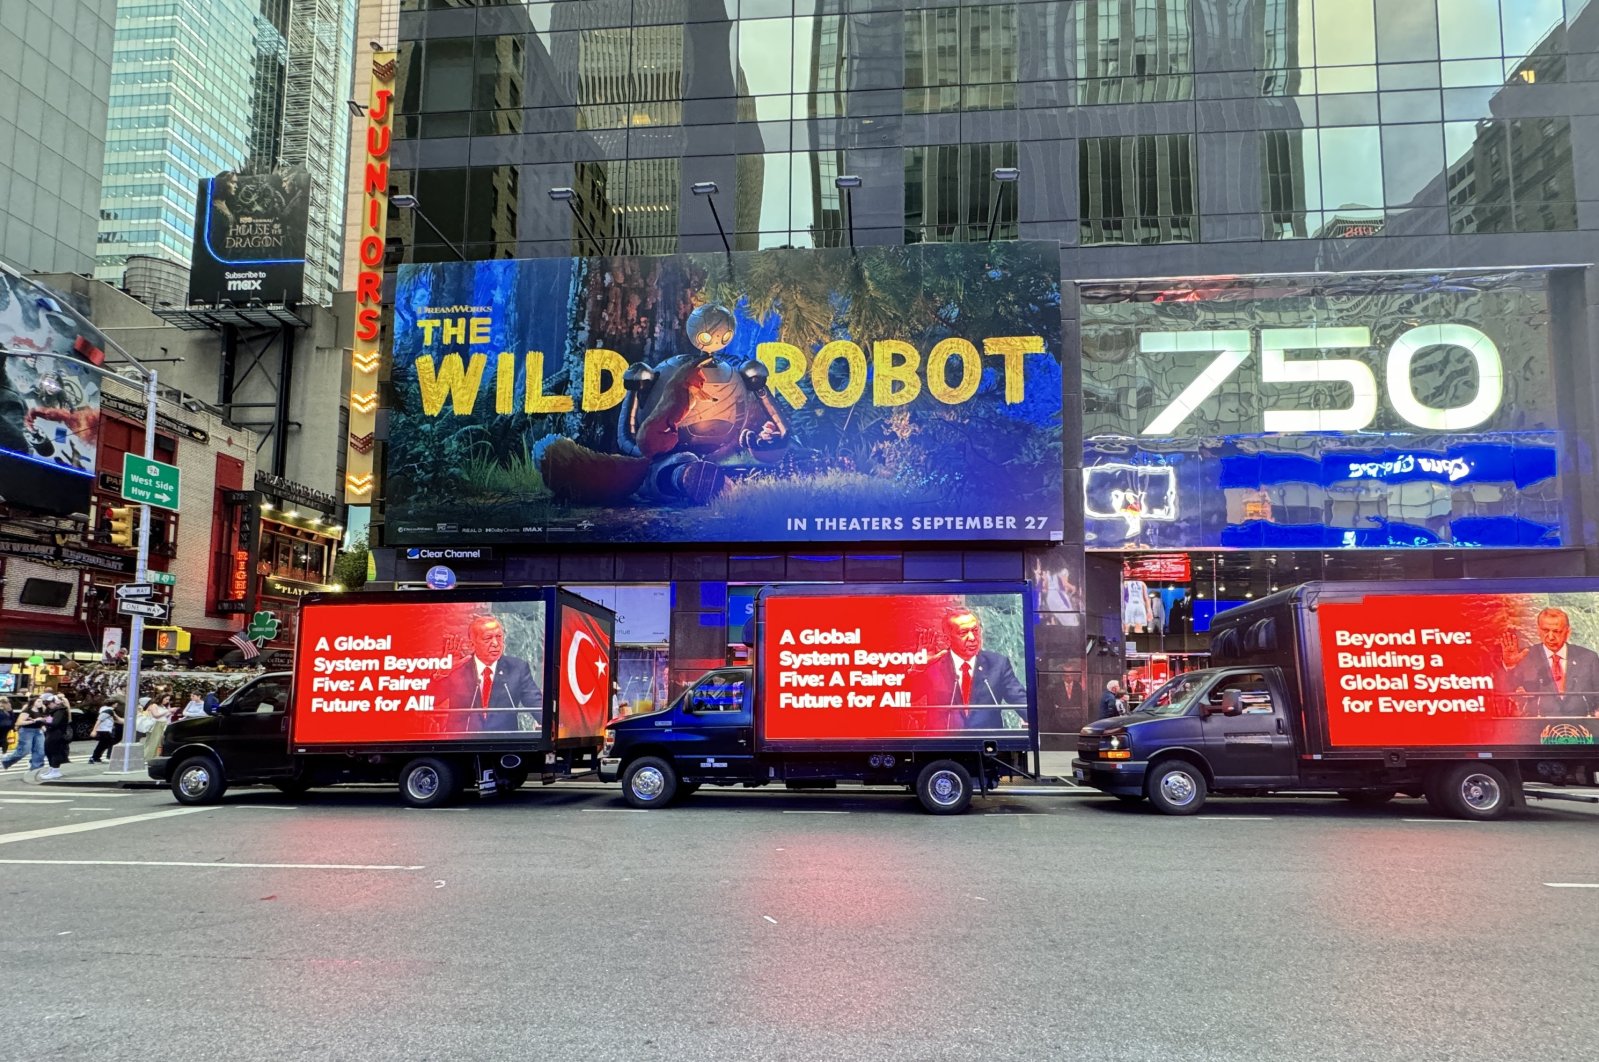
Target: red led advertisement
586,673
894,667
1461,669
419,671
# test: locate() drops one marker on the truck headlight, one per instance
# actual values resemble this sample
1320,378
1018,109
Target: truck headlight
610,740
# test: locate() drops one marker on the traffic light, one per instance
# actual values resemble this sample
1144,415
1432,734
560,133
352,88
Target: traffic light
166,641
122,520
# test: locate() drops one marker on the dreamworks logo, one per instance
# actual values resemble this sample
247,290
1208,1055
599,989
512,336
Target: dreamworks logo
246,281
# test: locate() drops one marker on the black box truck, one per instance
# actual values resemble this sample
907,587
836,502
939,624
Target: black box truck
435,692
924,686
1459,691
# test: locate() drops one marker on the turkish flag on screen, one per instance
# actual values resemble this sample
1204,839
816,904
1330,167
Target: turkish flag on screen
585,669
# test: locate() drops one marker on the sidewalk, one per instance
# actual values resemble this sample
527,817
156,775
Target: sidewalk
79,773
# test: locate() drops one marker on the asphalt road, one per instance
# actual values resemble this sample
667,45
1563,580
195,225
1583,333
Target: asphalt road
557,924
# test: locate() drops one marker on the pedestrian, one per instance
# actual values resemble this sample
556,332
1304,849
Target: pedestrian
30,733
8,722
195,709
211,701
105,731
1112,703
57,736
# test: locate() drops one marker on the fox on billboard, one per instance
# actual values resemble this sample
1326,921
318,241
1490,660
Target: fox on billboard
903,393
49,399
249,237
1461,669
894,667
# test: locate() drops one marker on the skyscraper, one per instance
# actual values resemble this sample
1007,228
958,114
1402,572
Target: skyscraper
203,86
55,67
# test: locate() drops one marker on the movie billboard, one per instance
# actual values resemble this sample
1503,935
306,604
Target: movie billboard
894,667
588,669
49,399
420,671
892,393
1324,412
249,237
1461,669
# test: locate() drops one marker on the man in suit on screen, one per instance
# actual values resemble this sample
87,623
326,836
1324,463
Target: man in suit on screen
970,681
1554,677
488,690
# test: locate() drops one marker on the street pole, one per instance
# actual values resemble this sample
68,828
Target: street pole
128,757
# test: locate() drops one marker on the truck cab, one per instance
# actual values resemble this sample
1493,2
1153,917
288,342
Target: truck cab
1222,730
249,733
706,735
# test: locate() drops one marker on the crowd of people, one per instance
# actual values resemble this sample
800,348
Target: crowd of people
42,726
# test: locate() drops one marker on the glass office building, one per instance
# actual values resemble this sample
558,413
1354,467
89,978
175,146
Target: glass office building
1348,192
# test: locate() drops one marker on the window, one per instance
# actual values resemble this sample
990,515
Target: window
960,58
1322,183
1510,176
1133,51
268,695
1254,693
720,692
1137,189
950,193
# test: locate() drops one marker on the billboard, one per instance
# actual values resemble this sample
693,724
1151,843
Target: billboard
49,399
897,393
894,667
419,671
1461,669
1323,412
249,237
588,668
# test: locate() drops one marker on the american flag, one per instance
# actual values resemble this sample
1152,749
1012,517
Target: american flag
246,646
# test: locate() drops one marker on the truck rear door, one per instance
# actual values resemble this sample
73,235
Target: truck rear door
1255,745
717,715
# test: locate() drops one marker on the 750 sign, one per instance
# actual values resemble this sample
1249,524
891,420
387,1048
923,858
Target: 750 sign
1233,347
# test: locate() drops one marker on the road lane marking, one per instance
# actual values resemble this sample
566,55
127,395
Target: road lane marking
269,807
1458,822
91,809
98,824
791,812
1572,884
770,919
1234,818
224,866
35,800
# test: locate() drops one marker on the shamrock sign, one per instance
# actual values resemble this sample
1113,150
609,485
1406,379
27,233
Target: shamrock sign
263,627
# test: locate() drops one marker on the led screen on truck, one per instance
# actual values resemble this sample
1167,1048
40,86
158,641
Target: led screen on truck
586,664
894,667
1461,669
424,671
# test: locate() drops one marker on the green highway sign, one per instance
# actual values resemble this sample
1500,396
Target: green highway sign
167,578
150,482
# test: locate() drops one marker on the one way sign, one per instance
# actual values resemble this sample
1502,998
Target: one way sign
152,609
128,591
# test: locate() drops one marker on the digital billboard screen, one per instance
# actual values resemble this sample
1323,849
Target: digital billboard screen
249,237
49,399
1461,669
894,667
382,671
1325,412
904,393
588,667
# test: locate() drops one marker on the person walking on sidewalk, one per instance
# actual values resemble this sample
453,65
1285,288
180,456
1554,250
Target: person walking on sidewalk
57,735
105,731
30,734
8,723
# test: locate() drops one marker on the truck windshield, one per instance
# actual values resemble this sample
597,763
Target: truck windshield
1176,696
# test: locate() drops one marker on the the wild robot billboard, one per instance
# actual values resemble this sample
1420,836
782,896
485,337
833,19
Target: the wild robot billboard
887,393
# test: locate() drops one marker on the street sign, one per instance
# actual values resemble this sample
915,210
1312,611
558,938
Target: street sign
168,579
150,482
153,609
440,577
133,590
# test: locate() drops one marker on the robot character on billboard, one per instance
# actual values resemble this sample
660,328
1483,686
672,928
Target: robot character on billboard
686,426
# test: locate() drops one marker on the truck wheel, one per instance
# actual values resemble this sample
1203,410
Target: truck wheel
1368,797
1474,791
649,782
1176,787
944,787
427,782
199,780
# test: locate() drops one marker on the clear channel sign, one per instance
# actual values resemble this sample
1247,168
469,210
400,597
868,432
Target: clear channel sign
150,482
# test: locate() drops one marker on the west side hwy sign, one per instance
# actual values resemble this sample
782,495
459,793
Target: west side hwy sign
150,482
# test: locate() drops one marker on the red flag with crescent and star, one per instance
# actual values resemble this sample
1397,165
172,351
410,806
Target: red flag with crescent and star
585,668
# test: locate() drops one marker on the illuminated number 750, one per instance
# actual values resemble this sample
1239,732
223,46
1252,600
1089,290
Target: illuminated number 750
1232,349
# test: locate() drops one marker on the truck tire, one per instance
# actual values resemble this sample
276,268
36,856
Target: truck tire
1474,791
944,787
649,782
427,782
198,780
1368,797
1176,787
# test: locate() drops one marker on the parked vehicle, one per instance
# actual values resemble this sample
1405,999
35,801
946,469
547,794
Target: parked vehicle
439,693
1461,692
858,684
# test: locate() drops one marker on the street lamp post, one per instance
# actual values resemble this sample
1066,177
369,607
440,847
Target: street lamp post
128,756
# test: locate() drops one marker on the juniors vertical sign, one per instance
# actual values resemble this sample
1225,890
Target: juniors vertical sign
1461,669
364,357
894,666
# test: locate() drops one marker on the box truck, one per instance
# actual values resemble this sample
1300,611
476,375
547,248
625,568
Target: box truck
928,687
1462,692
435,692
